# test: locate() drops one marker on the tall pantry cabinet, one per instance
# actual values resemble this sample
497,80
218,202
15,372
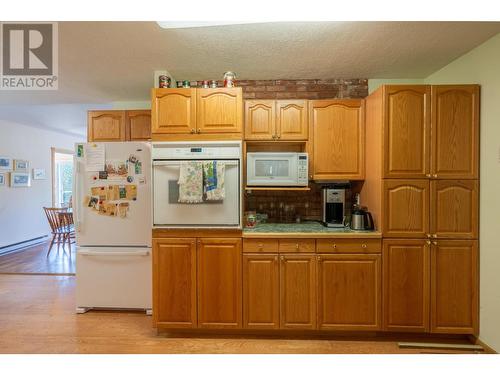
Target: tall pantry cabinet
422,185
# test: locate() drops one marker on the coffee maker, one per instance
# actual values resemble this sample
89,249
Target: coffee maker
333,205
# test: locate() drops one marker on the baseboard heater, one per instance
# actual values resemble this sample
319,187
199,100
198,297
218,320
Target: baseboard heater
22,245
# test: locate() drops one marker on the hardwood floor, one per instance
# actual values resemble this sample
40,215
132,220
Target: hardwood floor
37,316
34,260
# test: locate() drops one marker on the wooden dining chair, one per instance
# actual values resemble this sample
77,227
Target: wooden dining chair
61,225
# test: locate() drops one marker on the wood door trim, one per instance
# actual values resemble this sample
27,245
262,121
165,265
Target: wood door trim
474,329
276,302
474,90
392,89
386,282
376,259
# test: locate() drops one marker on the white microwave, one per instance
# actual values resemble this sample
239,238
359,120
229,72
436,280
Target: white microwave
277,168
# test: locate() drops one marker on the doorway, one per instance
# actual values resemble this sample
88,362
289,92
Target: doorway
62,177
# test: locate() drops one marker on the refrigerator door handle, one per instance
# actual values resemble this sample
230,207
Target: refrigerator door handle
77,204
114,253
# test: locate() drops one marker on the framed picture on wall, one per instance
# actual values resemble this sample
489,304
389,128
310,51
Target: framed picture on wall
3,177
21,165
38,174
20,179
5,163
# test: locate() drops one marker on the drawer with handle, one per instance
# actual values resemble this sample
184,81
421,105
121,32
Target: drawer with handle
260,245
351,245
292,245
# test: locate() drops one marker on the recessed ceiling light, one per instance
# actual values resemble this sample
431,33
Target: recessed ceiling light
189,24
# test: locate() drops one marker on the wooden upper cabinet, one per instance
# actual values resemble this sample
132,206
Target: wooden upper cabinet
407,131
139,125
106,126
454,287
291,120
298,291
406,208
260,119
219,283
338,131
174,283
454,208
173,111
219,110
406,285
455,131
261,294
349,292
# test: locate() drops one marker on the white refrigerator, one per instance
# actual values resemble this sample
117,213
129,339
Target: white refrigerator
112,215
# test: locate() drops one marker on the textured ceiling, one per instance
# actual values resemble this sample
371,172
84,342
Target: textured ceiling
104,62
114,61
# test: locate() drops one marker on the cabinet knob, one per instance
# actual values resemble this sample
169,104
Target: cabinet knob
278,136
428,175
435,175
334,245
428,242
297,246
276,258
434,235
282,258
198,131
319,258
260,244
434,242
428,235
363,246
192,131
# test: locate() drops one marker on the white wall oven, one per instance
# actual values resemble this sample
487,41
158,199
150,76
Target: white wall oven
168,211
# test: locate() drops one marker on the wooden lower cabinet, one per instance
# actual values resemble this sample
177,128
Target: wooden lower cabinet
349,294
261,291
298,291
454,286
219,283
406,285
174,283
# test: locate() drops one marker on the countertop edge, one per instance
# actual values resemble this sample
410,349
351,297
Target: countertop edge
376,235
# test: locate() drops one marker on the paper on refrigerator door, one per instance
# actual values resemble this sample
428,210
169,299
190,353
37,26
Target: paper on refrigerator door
94,157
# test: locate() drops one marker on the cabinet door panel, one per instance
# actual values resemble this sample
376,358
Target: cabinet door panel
349,292
406,285
406,208
298,291
454,287
291,120
454,208
139,125
338,131
174,283
106,126
455,131
261,291
219,283
219,110
260,119
174,111
407,131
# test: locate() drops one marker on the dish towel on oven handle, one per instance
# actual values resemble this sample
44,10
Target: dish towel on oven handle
214,174
191,182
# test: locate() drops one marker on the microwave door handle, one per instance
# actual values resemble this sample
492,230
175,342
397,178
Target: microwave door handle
271,170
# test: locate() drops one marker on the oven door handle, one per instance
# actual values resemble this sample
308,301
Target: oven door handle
177,163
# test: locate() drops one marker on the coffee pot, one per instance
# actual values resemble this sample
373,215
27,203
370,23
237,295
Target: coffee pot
361,219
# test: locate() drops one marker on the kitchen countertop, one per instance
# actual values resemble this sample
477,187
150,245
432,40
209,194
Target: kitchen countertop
311,229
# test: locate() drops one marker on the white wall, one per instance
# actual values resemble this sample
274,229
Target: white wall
481,65
21,214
